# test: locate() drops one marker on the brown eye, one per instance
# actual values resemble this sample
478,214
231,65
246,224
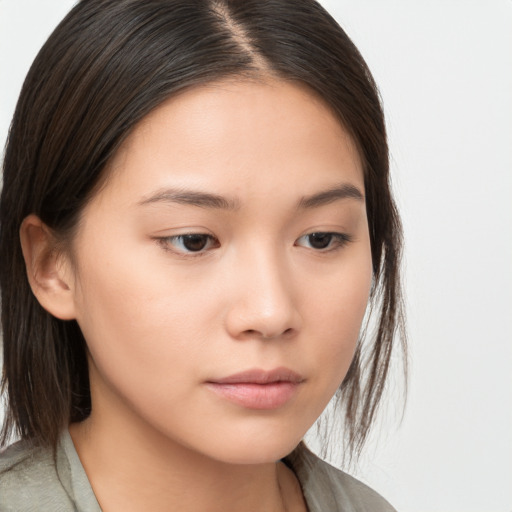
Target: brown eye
324,241
194,243
189,243
320,240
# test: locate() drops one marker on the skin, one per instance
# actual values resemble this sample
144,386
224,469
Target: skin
161,322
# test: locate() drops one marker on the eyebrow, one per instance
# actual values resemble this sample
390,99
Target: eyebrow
192,198
215,201
344,191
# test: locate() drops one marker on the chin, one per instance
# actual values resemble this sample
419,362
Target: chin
256,451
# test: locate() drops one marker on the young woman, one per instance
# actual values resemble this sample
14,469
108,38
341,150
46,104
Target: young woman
196,226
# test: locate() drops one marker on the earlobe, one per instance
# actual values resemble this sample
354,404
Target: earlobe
48,270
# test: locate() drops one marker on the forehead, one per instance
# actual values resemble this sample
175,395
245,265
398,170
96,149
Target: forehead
239,133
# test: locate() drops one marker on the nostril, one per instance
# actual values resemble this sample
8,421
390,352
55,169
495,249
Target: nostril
286,333
249,333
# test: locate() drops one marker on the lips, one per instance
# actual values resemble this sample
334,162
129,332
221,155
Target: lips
258,389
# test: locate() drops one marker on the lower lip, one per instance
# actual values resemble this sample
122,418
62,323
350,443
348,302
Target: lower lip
256,396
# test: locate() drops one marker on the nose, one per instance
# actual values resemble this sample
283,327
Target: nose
264,302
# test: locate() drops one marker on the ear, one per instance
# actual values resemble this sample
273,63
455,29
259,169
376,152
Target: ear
49,271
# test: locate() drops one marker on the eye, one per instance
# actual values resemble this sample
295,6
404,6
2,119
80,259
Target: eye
189,243
324,241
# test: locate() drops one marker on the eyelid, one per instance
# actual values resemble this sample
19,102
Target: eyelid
342,239
166,242
337,241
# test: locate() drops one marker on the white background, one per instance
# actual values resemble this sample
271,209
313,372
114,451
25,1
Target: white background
445,73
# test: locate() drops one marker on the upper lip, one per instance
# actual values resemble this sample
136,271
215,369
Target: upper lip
259,376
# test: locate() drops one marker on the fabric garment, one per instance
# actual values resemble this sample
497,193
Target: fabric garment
32,480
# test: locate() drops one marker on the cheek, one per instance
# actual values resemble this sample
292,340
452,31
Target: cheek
138,323
336,314
139,338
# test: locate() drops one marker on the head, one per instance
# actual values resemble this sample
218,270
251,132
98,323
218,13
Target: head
126,84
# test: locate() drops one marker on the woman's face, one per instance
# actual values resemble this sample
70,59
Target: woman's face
222,273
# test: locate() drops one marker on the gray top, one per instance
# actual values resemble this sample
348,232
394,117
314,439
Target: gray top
32,480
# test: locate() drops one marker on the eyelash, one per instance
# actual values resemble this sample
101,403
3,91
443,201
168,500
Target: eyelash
168,241
336,241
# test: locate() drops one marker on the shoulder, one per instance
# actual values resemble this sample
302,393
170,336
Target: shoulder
326,488
29,480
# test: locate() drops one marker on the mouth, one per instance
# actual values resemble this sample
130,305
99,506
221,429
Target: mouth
258,389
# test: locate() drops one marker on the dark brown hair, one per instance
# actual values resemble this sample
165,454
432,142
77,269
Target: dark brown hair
105,67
